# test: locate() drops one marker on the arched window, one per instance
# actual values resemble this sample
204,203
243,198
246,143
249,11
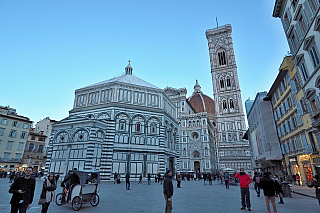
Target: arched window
231,104
153,128
228,82
224,105
222,58
196,154
40,148
221,84
138,127
122,125
206,151
184,151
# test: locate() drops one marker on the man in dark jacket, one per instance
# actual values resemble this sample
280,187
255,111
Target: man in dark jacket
316,183
268,186
128,181
168,190
23,192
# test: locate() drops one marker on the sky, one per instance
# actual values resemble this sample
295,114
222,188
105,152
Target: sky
48,49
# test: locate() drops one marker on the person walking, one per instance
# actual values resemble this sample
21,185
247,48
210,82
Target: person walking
140,179
204,178
316,183
298,178
256,180
128,181
278,188
48,188
23,192
149,179
178,180
226,179
268,186
244,180
168,190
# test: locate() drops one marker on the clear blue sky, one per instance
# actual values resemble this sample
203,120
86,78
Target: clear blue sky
48,49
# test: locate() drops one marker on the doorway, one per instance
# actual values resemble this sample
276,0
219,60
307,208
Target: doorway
197,166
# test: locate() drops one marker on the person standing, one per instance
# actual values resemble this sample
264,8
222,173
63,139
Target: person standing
49,185
168,190
278,188
209,176
23,192
316,183
128,181
226,179
244,180
115,177
149,179
256,180
178,180
204,178
268,186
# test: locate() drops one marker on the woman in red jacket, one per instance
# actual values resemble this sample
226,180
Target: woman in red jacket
244,180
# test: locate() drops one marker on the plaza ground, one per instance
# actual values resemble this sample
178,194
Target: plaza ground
192,197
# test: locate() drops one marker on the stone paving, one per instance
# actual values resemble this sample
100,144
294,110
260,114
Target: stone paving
192,197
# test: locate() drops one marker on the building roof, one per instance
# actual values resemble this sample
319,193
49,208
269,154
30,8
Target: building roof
127,78
201,102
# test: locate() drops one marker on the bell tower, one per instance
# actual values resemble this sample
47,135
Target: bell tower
227,96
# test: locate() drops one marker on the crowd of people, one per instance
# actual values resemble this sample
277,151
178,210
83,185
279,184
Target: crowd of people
23,186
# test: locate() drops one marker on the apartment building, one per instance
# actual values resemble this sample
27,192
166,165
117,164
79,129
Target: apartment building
14,130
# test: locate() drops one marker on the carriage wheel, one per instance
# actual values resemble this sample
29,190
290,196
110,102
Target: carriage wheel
95,200
60,199
76,203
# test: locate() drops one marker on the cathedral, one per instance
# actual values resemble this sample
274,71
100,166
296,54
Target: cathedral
127,124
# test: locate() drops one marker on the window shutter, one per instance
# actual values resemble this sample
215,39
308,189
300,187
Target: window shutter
299,143
275,116
293,87
291,124
299,32
309,12
309,108
282,109
279,132
288,77
305,143
286,147
282,149
291,147
299,108
286,105
282,130
14,134
287,127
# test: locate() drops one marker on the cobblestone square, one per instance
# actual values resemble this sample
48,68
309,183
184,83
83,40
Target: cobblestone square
192,197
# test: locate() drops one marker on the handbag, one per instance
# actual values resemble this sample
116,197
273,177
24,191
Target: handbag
42,201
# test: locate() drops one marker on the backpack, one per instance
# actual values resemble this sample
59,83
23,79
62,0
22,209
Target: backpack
257,179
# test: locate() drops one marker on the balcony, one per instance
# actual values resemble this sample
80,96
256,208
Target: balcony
11,160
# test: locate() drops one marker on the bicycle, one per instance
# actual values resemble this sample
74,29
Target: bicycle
62,197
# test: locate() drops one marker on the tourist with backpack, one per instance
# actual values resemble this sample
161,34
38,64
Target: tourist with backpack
256,180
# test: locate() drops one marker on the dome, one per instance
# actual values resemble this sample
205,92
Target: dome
201,102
